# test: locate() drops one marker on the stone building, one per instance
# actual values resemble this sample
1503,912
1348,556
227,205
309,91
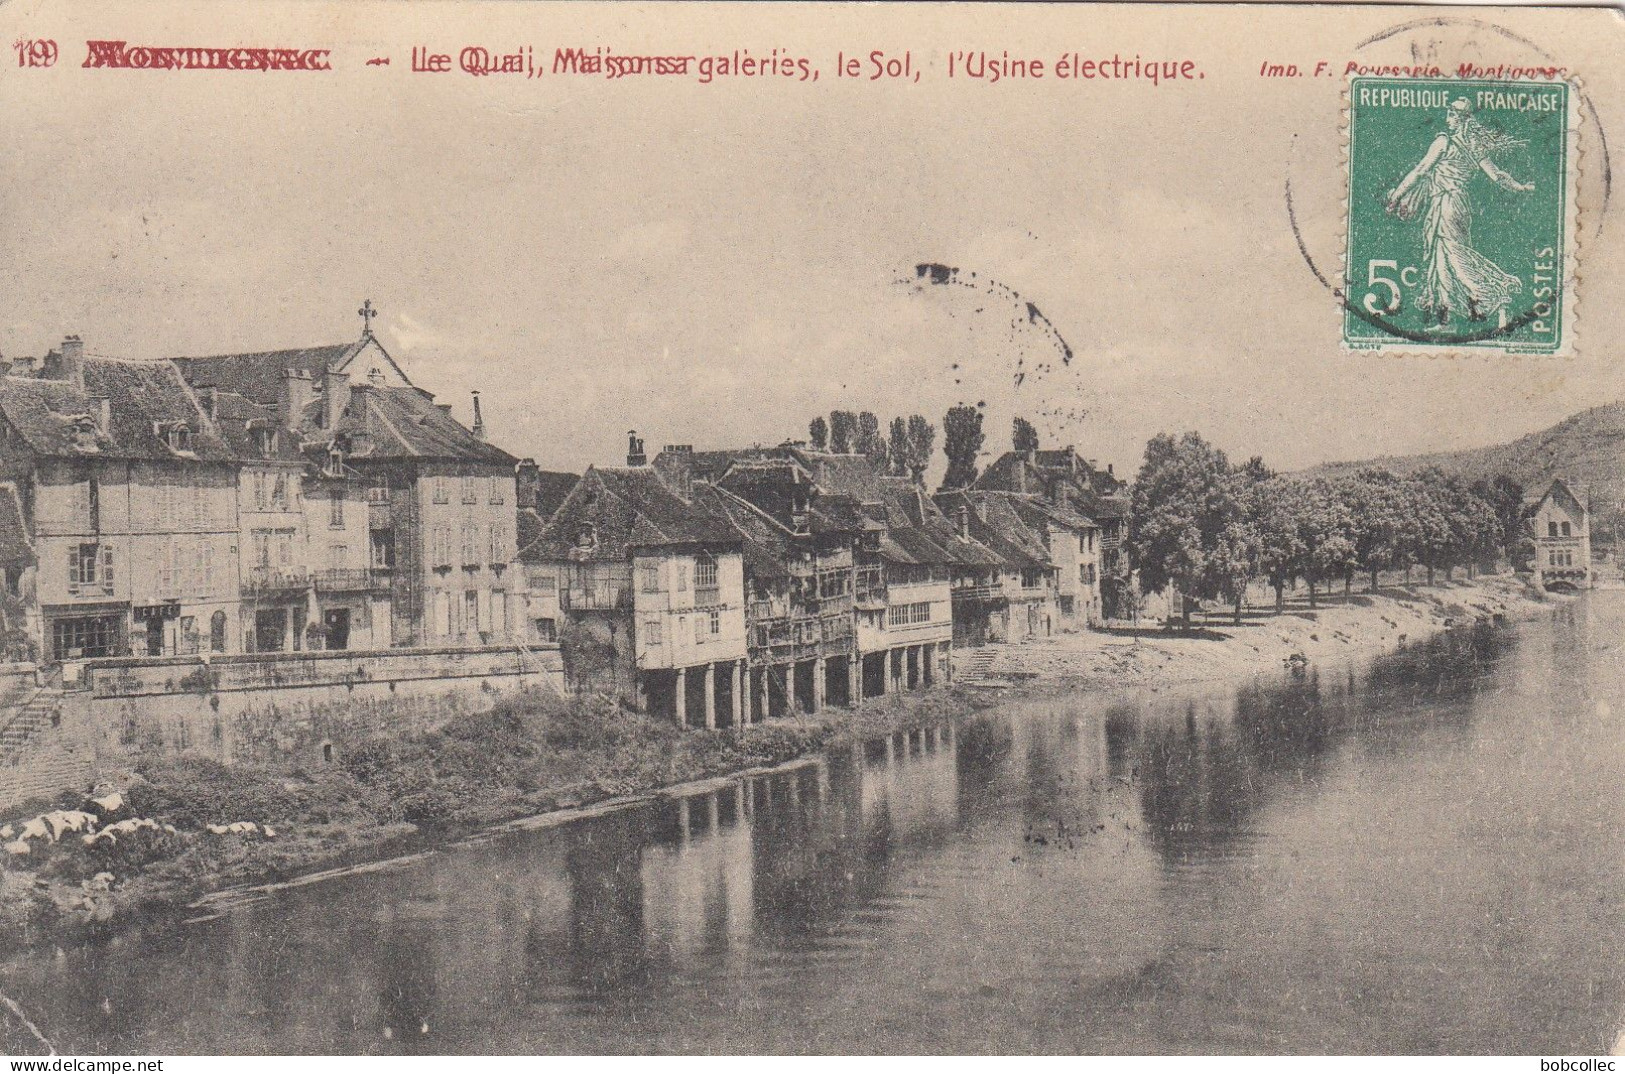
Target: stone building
410,517
1561,525
651,591
128,497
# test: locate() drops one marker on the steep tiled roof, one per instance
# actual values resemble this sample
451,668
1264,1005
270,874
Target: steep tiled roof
16,550
995,524
1011,472
613,511
403,423
238,418
258,376
143,396
552,487
1036,511
766,542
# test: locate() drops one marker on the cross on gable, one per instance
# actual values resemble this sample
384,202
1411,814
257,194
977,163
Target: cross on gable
367,313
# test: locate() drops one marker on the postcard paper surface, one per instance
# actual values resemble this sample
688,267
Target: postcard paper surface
810,528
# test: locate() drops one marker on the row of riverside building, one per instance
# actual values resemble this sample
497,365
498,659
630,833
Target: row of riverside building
720,588
271,502
317,499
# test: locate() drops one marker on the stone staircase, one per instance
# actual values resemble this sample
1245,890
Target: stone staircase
974,667
40,712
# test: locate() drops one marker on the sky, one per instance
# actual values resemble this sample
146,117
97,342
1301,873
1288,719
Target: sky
716,264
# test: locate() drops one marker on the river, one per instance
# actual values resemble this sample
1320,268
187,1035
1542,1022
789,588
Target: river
1415,853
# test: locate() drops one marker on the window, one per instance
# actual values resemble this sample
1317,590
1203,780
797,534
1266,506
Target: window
90,569
442,612
1551,528
180,437
716,623
649,578
471,612
705,573
217,632
335,508
440,546
378,490
93,493
85,637
470,492
383,549
441,495
497,493
547,630
1566,532
1031,578
279,493
499,611
499,545
471,546
908,614
651,632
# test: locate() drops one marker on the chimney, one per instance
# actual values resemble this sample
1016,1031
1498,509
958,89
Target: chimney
104,415
1108,469
72,364
962,522
478,428
297,392
210,397
335,397
528,476
634,450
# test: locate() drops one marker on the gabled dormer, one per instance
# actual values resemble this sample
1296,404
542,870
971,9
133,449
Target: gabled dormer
176,435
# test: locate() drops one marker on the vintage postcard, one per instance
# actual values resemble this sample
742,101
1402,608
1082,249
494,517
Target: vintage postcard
834,529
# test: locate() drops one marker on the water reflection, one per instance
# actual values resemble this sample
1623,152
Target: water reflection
1064,873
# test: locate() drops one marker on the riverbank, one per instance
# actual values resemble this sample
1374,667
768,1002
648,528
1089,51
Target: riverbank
1216,647
534,754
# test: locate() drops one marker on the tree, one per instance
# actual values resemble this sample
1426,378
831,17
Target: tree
1325,525
868,441
1274,507
898,438
922,441
1254,470
1376,502
1233,562
1505,499
818,430
843,431
1183,502
962,441
1023,437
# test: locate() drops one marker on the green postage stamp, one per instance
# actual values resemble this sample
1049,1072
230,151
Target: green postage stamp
1461,217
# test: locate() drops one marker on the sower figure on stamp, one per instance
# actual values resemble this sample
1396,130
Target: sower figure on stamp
1458,277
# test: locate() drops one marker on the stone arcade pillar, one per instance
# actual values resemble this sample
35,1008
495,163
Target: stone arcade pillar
854,680
680,698
820,685
737,696
790,689
766,696
710,696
